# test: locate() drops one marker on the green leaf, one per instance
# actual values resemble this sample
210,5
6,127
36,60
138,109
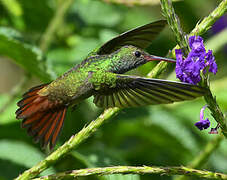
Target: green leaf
25,55
13,7
19,154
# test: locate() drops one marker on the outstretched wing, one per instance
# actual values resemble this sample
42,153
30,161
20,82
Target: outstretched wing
140,37
133,91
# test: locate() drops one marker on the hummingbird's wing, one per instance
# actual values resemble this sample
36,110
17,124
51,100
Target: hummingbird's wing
133,91
140,37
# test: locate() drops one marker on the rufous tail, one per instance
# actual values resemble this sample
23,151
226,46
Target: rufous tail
42,117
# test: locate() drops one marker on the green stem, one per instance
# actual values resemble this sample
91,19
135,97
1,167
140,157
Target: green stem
54,24
207,22
204,155
91,128
136,170
135,2
215,110
158,70
173,21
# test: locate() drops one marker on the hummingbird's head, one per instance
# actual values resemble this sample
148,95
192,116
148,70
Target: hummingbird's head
129,57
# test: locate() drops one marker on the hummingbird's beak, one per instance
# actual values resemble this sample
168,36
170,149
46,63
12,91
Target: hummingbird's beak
157,58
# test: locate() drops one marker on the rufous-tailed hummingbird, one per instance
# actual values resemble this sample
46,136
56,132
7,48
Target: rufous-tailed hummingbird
43,107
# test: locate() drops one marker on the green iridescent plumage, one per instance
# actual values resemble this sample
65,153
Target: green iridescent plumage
101,75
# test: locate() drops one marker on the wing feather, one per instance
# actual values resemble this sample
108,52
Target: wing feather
133,91
140,37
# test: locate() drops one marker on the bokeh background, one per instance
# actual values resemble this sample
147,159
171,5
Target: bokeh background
162,135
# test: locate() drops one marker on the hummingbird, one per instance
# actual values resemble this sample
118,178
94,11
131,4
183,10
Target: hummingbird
101,74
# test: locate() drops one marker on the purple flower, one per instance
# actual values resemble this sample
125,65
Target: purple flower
203,123
211,62
188,70
196,44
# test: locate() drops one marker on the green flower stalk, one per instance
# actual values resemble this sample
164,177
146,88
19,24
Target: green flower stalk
136,170
174,22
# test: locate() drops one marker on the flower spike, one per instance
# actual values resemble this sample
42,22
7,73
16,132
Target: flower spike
203,123
188,70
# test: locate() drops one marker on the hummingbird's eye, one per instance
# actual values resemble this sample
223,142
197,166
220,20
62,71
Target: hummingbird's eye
137,54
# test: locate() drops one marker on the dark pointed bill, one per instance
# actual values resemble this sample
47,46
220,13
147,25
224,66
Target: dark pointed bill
157,58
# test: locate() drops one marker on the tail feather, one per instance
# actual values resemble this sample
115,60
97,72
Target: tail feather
27,122
55,128
58,129
26,101
36,126
40,136
42,117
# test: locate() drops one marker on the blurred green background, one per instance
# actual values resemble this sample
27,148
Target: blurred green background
162,135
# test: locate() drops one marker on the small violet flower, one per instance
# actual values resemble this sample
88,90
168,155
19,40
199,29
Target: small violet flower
211,62
203,123
188,70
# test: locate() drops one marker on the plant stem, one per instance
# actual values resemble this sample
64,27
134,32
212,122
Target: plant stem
215,110
54,24
136,170
204,155
173,21
207,151
135,2
207,22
